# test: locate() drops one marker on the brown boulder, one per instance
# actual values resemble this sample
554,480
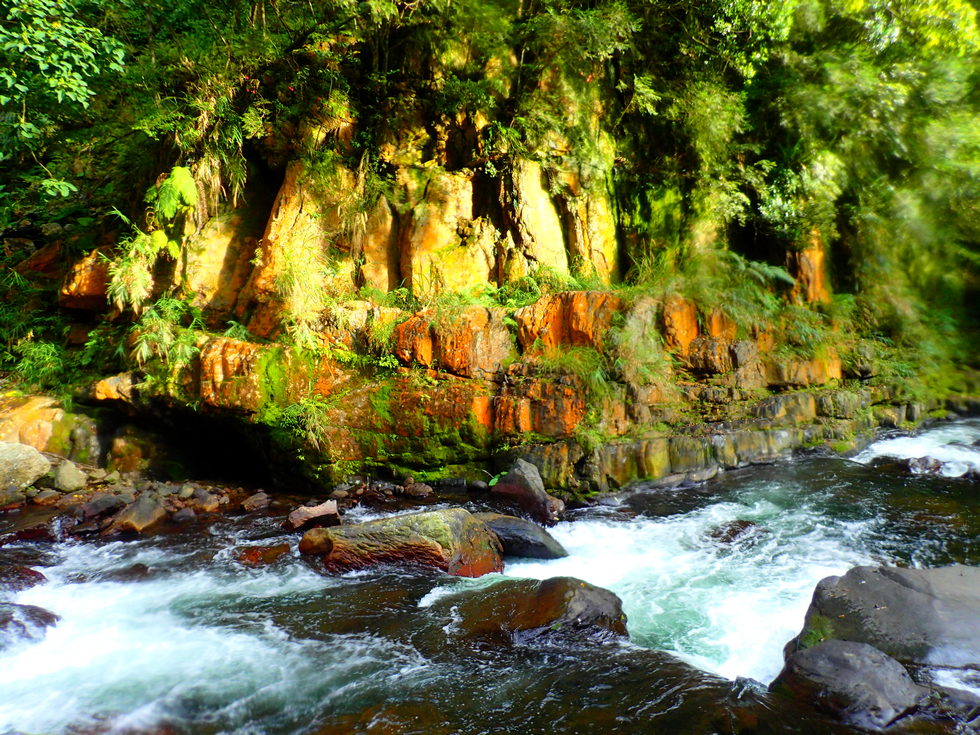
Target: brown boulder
527,610
451,540
524,488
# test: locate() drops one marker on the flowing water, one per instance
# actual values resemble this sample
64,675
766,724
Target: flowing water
171,630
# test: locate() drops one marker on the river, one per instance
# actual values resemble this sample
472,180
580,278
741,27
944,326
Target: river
169,634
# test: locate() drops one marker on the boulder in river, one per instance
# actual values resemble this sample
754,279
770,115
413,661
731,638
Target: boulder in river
852,681
20,466
525,610
523,538
917,616
23,622
523,487
16,578
451,540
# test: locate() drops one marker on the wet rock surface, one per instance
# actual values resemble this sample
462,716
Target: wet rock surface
876,641
451,540
853,681
917,616
524,488
17,578
23,622
522,538
524,611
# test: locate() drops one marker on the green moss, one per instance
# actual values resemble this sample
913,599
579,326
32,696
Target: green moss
817,629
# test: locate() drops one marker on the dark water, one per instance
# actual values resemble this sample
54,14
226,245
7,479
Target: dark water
207,646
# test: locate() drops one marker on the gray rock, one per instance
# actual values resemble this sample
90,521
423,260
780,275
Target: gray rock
525,611
21,466
917,616
853,681
184,515
523,538
68,478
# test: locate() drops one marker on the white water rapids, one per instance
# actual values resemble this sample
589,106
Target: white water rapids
179,645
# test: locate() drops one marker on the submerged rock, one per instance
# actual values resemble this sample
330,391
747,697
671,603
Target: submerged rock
20,466
15,578
917,616
853,681
527,610
24,622
523,538
451,540
735,532
524,487
256,556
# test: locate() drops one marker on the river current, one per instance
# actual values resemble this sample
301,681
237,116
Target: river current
171,634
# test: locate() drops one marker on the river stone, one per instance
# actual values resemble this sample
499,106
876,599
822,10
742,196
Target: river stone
307,516
25,622
256,556
256,501
139,516
68,478
451,540
853,681
523,538
20,466
524,487
918,616
101,504
526,610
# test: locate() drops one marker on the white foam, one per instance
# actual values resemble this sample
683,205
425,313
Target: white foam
728,609
951,444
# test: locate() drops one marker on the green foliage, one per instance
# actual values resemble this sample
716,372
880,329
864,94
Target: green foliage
308,420
165,332
587,364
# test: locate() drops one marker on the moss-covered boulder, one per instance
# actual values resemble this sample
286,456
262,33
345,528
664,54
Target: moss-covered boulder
451,540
